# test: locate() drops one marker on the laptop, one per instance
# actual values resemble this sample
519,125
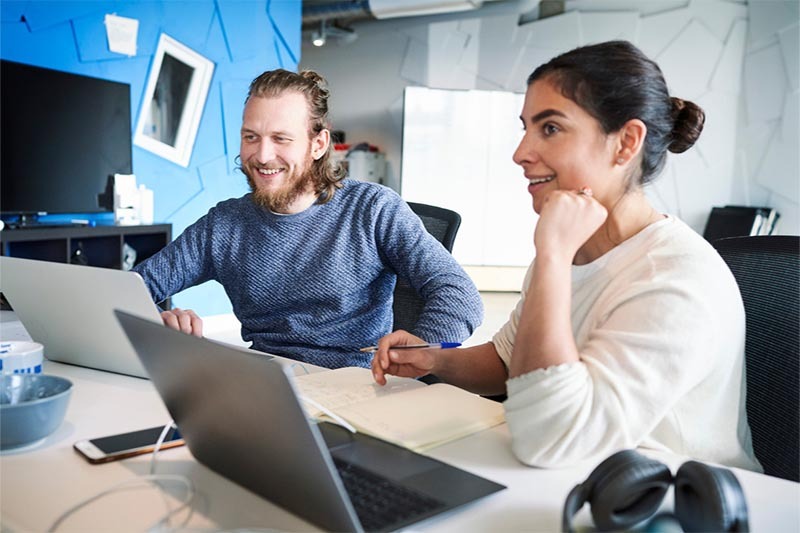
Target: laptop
240,416
69,310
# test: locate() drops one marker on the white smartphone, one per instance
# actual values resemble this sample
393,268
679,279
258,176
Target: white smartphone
114,447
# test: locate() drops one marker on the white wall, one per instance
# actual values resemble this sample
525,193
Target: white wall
747,81
767,165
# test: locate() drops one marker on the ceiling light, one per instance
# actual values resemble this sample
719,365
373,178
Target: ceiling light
318,38
341,34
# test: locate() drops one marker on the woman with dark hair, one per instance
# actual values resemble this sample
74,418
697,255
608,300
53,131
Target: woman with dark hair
630,329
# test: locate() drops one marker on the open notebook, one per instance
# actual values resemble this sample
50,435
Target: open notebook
405,411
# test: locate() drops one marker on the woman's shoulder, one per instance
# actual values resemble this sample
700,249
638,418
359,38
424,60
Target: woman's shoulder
675,252
676,240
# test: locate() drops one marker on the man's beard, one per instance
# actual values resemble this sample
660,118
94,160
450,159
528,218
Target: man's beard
280,200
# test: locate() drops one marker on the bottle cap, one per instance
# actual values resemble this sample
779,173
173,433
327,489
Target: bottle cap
21,357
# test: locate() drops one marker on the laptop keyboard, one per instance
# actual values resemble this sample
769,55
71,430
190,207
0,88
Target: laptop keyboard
379,502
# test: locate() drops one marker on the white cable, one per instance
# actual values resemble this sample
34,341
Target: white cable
301,365
169,425
338,419
164,520
154,479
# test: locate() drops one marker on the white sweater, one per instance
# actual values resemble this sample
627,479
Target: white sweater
659,325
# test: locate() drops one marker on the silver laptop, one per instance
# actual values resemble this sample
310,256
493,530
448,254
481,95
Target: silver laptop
240,416
69,310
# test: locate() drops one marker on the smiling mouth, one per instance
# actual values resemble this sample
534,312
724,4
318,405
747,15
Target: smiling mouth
536,181
269,171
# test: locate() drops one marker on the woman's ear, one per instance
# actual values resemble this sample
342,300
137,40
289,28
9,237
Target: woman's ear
630,140
320,143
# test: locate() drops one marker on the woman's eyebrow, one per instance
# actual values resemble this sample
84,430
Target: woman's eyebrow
545,114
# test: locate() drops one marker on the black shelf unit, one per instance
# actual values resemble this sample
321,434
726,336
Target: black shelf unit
104,246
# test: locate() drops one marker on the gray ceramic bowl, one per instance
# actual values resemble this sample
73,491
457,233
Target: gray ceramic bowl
32,406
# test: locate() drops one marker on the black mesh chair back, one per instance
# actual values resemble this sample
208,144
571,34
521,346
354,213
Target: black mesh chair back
767,269
442,224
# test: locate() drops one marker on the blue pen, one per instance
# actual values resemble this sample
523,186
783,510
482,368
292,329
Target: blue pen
440,345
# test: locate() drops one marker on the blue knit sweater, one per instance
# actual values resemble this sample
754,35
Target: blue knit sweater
316,286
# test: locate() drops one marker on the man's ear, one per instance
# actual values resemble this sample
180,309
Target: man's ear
320,143
630,140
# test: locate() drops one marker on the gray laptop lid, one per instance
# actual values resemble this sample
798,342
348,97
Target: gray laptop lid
240,416
69,310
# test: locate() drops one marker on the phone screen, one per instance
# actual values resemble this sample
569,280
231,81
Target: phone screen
134,439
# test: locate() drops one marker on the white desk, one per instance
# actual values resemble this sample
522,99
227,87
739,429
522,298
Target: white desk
39,484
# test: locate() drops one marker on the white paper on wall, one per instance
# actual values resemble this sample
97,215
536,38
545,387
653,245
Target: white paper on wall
764,84
768,17
781,166
728,72
415,62
609,25
122,34
689,61
718,15
656,32
790,50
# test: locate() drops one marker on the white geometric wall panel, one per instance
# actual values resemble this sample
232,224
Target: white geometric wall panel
739,61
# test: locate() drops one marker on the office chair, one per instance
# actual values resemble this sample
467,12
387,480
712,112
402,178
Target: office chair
739,221
767,269
442,224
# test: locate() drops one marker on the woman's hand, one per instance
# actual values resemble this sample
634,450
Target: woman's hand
186,321
567,220
404,363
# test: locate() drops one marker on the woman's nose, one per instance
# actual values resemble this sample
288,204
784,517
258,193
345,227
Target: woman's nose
525,152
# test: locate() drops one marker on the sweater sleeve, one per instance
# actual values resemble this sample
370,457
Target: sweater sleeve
651,345
181,264
453,308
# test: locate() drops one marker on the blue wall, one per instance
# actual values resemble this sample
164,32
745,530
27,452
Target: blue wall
242,37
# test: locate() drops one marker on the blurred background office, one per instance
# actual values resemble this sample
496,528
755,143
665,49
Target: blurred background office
426,95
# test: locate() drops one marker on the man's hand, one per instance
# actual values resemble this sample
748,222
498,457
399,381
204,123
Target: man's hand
404,363
186,321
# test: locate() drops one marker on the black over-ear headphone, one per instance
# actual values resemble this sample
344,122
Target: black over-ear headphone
627,488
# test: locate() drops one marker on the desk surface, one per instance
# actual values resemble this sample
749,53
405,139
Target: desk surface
41,482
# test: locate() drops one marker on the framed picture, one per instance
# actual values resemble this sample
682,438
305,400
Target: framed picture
176,93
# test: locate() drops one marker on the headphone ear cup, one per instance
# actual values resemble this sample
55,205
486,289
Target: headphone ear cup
625,489
709,498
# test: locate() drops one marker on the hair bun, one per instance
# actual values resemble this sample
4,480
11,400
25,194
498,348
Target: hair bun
688,123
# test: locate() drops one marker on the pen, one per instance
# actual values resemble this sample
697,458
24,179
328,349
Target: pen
442,345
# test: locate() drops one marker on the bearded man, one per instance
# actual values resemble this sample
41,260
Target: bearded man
308,258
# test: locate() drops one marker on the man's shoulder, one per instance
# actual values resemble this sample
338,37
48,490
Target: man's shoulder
231,212
233,207
235,203
364,192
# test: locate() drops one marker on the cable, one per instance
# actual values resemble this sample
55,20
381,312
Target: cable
301,365
169,425
151,478
164,520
